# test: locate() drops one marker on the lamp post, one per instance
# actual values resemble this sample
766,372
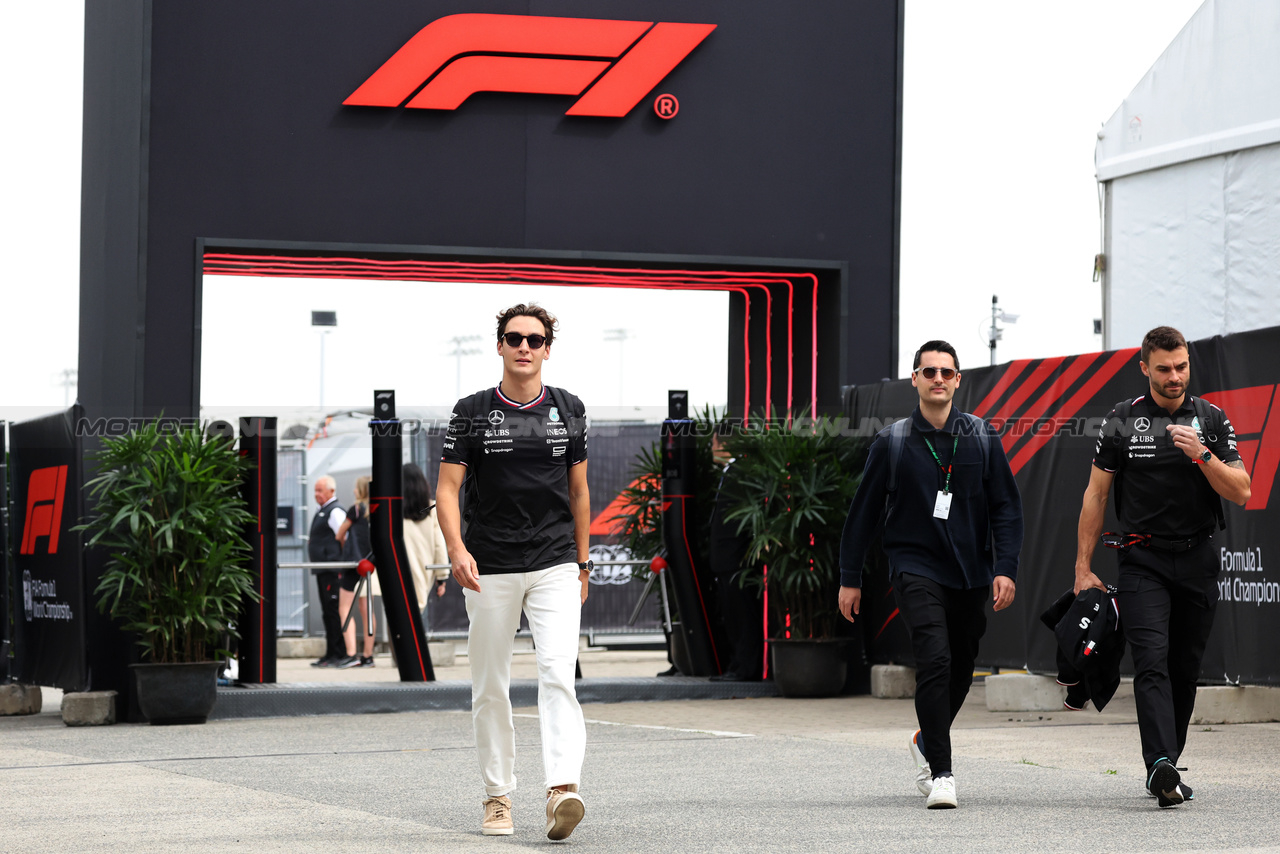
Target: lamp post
458,352
325,321
619,335
996,332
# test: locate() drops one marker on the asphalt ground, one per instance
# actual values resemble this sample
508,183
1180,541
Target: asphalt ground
764,774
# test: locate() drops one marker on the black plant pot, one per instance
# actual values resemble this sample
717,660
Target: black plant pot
176,693
809,668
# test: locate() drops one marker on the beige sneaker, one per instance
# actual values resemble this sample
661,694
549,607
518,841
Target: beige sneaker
497,817
564,811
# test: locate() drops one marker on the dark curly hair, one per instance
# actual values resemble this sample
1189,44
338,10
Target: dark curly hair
533,310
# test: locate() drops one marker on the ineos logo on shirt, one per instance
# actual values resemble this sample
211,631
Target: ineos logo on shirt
496,417
1142,424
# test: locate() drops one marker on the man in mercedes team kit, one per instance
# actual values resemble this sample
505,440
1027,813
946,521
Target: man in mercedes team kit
520,449
1170,457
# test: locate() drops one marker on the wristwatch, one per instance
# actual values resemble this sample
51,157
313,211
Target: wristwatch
587,567
1206,456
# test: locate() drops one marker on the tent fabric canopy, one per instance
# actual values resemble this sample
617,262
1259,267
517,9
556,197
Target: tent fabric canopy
1190,166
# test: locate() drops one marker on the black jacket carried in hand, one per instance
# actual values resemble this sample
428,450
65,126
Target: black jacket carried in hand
1090,641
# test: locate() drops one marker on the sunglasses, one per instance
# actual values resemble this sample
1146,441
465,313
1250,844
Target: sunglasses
929,373
513,339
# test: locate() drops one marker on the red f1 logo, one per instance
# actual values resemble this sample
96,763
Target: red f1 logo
627,59
1255,414
45,491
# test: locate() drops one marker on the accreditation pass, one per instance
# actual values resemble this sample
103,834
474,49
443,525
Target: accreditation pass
942,507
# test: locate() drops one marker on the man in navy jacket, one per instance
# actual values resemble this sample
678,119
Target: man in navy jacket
952,530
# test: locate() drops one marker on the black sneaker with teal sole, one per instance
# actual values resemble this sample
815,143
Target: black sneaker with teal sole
1164,784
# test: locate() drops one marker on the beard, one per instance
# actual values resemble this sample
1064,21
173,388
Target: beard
1166,391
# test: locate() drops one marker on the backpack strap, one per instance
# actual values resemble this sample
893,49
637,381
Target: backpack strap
1204,414
898,432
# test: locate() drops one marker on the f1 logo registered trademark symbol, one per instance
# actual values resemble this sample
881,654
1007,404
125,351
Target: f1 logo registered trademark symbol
666,106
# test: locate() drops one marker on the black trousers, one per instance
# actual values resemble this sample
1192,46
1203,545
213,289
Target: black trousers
1167,601
742,614
945,626
329,584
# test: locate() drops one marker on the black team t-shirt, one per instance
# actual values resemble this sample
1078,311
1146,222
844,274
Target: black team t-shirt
520,455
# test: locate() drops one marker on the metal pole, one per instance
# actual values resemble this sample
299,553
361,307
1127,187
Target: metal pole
322,337
993,330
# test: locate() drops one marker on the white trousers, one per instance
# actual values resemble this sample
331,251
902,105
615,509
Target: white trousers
552,600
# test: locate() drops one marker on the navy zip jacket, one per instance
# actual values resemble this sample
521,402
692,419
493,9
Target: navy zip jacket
983,534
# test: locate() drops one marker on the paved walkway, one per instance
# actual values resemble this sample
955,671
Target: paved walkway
764,774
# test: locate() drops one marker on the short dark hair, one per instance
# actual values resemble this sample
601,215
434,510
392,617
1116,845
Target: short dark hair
533,310
1161,338
936,347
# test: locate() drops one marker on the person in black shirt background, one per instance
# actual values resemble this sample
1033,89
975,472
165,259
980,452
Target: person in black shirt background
1168,483
954,501
323,547
521,450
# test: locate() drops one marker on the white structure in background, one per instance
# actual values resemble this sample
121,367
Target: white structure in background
1189,169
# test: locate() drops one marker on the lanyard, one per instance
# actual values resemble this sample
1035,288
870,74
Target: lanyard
946,487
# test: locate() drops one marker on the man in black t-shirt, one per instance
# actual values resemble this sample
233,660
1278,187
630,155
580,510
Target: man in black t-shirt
1172,458
323,547
521,450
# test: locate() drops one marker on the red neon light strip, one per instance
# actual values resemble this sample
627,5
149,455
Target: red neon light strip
1072,406
262,567
661,280
594,281
296,263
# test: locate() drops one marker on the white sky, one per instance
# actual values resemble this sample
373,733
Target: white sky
1002,102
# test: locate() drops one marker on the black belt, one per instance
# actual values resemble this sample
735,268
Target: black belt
1122,541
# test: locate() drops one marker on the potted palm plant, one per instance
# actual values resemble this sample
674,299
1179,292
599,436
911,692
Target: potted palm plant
794,482
170,517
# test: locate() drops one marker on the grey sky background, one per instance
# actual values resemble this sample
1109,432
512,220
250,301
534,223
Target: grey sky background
1002,102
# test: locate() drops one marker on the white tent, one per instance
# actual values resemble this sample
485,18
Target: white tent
1189,166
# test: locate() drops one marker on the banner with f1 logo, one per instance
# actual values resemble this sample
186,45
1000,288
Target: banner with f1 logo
47,579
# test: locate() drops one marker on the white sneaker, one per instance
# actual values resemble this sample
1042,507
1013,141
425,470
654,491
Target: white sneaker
924,777
943,796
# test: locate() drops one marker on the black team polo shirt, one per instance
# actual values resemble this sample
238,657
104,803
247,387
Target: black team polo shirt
519,454
1159,489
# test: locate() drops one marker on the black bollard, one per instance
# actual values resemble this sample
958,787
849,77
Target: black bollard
386,528
679,467
257,626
